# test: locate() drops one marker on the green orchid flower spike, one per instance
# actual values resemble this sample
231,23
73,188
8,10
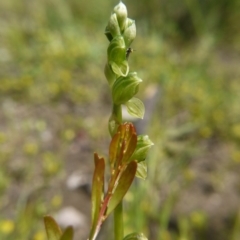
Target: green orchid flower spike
127,150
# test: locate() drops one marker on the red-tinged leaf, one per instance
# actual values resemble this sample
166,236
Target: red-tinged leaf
123,145
123,185
52,229
97,188
67,234
129,141
114,149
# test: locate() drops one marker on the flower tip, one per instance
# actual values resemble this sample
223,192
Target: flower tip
121,11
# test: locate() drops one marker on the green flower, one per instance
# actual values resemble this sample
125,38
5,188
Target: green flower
143,145
125,88
117,56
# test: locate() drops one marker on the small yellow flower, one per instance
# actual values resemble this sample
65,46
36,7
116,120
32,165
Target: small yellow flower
56,201
6,226
40,235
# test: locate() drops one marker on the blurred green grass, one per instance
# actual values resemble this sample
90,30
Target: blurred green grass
52,55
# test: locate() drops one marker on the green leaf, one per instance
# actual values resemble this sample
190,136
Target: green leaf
97,189
143,146
67,234
124,88
123,185
135,236
52,229
135,107
141,170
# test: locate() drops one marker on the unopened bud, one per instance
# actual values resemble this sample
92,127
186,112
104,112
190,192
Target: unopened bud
113,26
121,12
130,32
117,56
116,49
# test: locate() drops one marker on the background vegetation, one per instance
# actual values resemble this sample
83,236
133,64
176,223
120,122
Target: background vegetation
55,108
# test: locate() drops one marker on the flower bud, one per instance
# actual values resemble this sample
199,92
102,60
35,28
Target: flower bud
124,88
129,32
116,50
113,26
121,12
117,56
143,145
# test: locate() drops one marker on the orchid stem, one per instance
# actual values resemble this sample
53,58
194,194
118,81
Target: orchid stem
118,222
118,211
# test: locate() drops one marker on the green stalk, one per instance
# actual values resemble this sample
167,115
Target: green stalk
115,119
118,211
117,112
118,222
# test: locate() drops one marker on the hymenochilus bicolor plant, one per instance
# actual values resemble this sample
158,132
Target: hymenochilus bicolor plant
127,150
